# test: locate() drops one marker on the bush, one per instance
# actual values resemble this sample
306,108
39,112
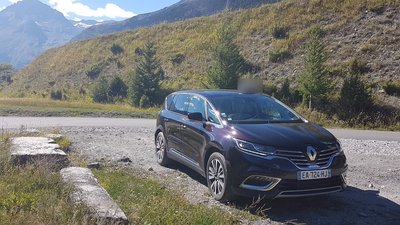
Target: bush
270,89
116,49
101,91
177,59
358,67
118,89
354,95
392,88
94,70
144,102
280,32
279,56
56,95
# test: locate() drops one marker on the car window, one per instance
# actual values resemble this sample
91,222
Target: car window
197,105
180,104
168,102
211,115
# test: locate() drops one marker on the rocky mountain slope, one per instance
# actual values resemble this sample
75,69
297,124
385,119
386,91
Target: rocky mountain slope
355,29
182,10
28,28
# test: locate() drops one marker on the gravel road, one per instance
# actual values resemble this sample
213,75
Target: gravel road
373,196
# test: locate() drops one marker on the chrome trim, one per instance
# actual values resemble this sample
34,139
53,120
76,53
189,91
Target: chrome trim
331,190
261,188
174,151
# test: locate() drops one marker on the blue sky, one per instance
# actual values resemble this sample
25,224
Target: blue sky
101,9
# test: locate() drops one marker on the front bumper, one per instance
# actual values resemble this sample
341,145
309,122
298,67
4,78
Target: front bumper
277,176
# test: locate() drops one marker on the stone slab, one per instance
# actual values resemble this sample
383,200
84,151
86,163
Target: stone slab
88,191
30,149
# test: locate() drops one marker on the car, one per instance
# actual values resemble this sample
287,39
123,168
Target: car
248,144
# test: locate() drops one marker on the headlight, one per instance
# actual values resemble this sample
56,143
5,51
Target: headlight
254,148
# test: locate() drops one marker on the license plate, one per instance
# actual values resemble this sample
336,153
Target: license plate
314,174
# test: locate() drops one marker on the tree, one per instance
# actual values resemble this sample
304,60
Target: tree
227,62
146,77
101,91
314,82
354,95
118,89
116,49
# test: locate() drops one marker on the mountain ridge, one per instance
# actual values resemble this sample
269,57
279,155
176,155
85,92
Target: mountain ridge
184,9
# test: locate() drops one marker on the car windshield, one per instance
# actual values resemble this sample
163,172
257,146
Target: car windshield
243,108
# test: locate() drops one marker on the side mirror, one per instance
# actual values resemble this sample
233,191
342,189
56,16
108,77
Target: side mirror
195,116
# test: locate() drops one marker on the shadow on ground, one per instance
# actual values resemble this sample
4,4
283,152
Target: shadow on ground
353,206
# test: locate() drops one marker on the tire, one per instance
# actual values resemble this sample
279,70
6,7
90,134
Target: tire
218,180
161,149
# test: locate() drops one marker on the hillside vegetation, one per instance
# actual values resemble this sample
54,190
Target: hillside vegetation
366,30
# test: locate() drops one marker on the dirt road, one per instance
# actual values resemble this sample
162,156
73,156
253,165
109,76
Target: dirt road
373,196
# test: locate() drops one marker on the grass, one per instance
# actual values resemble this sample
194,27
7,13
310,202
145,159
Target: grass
34,194
147,201
47,107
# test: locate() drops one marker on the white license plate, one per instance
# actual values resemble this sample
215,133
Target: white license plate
314,174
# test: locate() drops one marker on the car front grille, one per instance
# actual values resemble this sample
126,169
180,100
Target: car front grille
301,159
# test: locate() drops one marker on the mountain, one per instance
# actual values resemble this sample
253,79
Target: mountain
30,27
182,10
368,32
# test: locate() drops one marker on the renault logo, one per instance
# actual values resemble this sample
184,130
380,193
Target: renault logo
312,153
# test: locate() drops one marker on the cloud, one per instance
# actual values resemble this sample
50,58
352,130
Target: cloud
110,10
14,1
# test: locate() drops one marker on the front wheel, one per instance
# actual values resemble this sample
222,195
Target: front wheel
218,178
161,149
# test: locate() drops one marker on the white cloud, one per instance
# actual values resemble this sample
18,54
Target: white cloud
2,7
14,1
110,10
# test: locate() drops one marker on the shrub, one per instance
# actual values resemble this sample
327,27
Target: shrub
94,70
101,91
56,95
118,89
358,67
392,88
116,49
144,102
354,95
270,89
177,59
279,56
280,32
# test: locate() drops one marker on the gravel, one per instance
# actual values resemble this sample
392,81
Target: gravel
373,195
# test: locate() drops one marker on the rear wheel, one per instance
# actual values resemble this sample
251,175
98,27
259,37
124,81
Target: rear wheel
218,178
161,147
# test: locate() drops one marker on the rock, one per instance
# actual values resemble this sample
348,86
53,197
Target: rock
37,149
88,191
151,169
95,165
370,185
125,159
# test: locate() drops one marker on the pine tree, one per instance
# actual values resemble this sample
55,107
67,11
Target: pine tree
354,95
315,83
146,77
228,64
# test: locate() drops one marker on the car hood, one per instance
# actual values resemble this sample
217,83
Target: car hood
284,134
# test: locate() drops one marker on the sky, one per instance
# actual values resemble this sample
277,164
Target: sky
101,9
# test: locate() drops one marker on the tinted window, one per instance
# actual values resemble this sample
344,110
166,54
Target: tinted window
197,106
252,109
180,104
168,101
212,115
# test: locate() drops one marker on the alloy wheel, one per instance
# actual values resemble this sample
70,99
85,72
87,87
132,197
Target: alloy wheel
160,147
216,177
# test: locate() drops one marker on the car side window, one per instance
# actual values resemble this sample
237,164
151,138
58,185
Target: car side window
169,101
197,105
180,104
211,115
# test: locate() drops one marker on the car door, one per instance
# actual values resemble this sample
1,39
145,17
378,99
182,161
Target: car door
193,133
174,121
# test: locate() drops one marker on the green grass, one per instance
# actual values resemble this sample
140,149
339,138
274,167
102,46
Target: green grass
47,107
34,194
147,201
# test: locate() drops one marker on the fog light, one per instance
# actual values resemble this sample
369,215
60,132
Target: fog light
260,183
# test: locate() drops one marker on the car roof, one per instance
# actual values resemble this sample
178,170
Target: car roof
213,93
